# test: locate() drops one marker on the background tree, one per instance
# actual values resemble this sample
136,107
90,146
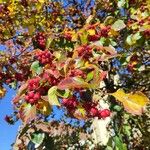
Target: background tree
88,58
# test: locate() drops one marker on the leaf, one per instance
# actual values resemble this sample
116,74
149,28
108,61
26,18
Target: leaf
91,32
109,20
52,96
48,42
41,1
119,144
27,112
133,38
118,25
37,139
133,103
31,29
64,94
89,19
72,82
90,76
121,3
83,37
22,89
80,112
35,68
2,92
44,107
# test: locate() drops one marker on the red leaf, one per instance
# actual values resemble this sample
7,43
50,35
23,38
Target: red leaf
27,113
72,82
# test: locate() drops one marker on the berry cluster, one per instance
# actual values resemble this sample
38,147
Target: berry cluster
70,103
33,83
95,37
44,57
49,79
84,51
92,111
104,31
40,40
32,97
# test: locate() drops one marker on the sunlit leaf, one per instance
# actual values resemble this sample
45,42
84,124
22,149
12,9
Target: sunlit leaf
44,107
118,25
72,82
90,76
27,112
48,42
80,112
133,103
2,92
35,67
37,138
52,96
91,32
22,89
63,93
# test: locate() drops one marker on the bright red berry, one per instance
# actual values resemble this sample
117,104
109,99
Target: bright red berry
104,113
93,111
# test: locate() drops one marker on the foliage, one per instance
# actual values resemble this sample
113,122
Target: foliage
75,55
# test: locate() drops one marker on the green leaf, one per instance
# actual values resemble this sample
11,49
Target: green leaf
109,148
129,40
90,76
136,36
37,138
109,20
83,37
52,96
121,3
63,93
119,145
118,25
133,38
117,108
127,129
35,68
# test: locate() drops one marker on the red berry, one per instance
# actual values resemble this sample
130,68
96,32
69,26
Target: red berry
93,112
27,98
36,96
31,101
31,94
104,113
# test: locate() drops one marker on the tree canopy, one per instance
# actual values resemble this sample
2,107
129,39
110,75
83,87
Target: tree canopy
87,58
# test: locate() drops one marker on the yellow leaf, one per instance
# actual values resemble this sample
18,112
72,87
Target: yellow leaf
91,32
2,92
52,96
44,107
80,112
41,1
133,103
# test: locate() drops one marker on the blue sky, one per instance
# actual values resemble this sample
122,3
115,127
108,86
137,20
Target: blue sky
7,132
